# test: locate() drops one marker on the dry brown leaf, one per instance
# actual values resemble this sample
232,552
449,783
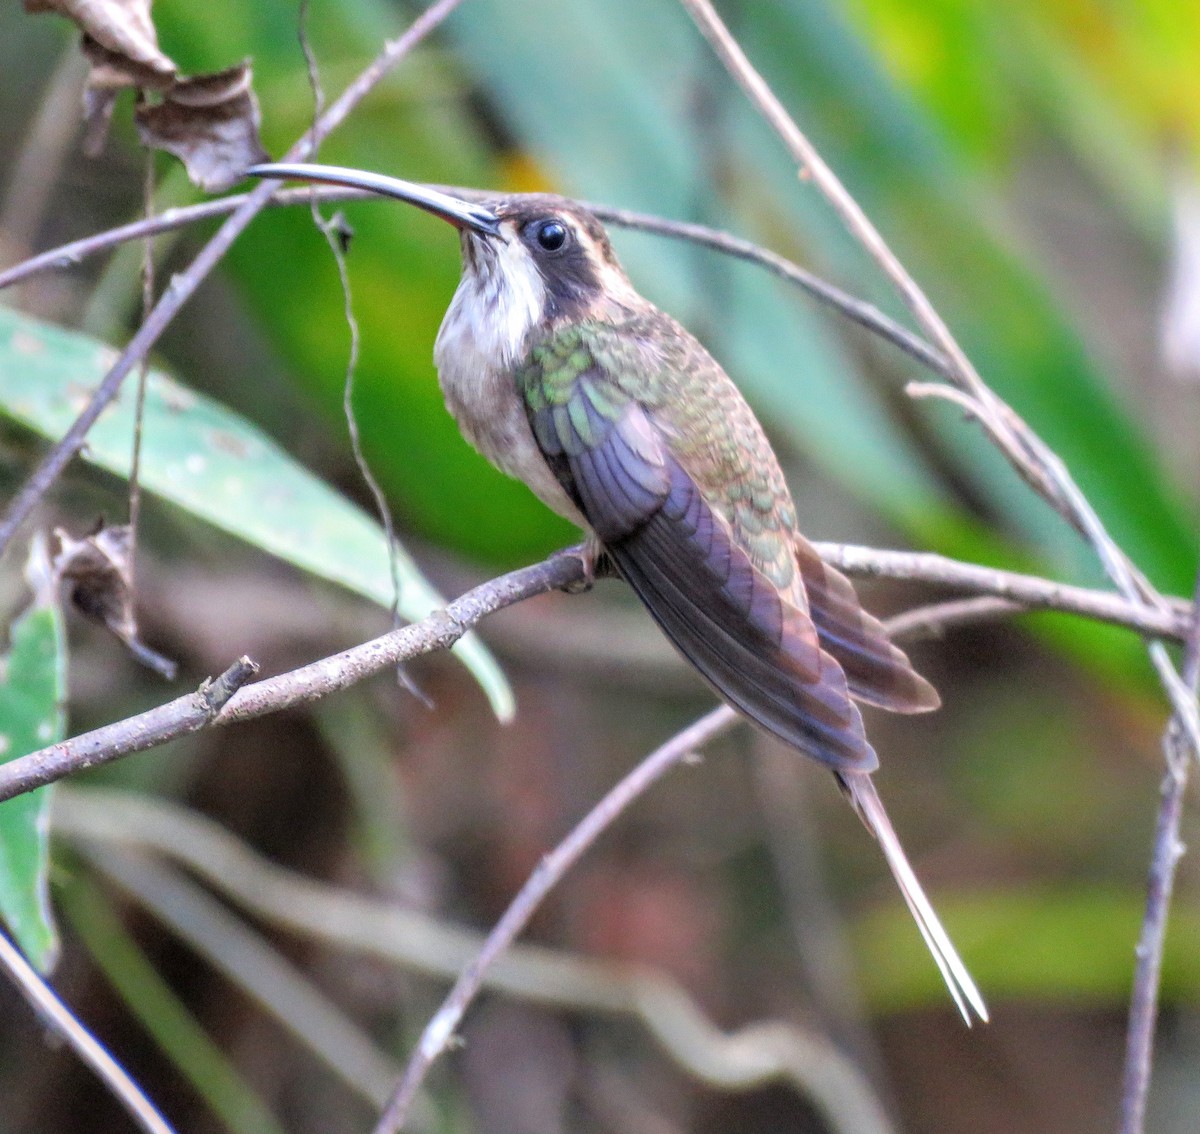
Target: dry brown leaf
120,43
122,27
209,122
99,572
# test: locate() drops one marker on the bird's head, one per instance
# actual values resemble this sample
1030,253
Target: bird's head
552,251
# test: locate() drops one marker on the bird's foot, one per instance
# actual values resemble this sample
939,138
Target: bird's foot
595,564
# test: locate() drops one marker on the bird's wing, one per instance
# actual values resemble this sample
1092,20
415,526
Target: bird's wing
878,672
619,463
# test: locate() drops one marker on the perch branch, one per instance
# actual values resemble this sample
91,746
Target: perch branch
187,714
226,700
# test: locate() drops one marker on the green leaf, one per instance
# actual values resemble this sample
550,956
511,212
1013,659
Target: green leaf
31,698
216,465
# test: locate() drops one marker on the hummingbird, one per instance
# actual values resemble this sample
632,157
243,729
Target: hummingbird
618,419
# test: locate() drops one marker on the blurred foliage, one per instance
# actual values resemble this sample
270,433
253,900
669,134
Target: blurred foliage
642,118
202,1064
941,119
32,695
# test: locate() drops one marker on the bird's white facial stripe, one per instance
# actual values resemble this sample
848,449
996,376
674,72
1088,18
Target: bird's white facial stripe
520,299
495,307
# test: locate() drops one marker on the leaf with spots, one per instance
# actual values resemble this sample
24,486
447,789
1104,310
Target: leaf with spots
32,694
216,465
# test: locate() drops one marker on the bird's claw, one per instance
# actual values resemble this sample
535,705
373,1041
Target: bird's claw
591,556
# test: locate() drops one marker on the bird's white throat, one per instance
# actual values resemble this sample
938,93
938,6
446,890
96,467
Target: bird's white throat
489,318
482,341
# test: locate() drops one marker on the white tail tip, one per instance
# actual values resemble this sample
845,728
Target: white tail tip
870,808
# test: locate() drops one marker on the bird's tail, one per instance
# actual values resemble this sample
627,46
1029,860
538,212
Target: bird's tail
861,790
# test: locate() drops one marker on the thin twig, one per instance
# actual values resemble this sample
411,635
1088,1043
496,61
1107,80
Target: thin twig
183,285
934,621
856,310
58,1018
336,237
1168,850
1171,622
135,734
813,169
143,378
444,627
439,1032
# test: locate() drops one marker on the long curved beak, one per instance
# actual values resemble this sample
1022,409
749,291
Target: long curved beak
461,214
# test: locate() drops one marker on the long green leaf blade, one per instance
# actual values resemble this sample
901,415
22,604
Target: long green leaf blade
216,465
32,694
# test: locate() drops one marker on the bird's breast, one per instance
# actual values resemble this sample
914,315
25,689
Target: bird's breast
477,376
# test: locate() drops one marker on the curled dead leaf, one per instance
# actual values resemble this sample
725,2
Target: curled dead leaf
120,43
98,570
111,74
123,28
209,122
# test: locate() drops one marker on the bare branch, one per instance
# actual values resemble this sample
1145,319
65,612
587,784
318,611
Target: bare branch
58,1018
1168,850
1029,591
225,701
439,1032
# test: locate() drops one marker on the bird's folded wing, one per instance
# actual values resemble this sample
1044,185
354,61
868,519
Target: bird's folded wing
757,649
878,672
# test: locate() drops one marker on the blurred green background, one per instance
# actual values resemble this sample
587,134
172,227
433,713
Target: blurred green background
1035,167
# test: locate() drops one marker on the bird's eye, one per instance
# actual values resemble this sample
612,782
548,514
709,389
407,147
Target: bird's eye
550,234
